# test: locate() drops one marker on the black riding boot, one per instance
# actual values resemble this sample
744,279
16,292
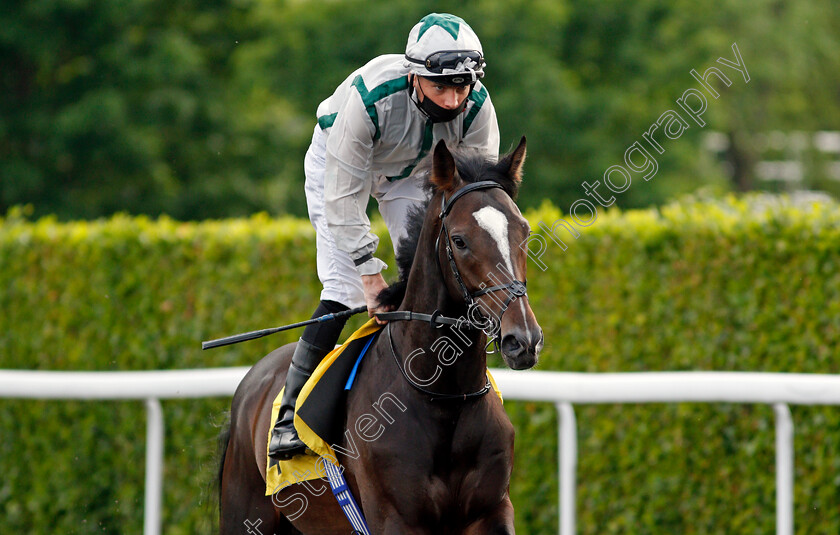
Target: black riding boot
285,442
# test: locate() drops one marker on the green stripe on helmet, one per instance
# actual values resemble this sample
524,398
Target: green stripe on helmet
450,23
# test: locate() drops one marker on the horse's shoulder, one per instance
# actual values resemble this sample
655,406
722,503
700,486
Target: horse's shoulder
490,426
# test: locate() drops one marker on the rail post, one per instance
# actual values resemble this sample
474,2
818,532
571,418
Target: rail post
567,466
154,468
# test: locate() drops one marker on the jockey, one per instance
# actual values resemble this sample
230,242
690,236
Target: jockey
370,135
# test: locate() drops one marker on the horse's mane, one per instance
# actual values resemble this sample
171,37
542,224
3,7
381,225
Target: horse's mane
472,166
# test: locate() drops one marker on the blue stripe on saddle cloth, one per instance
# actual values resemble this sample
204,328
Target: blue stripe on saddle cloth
352,377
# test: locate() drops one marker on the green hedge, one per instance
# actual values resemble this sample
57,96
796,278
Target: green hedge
741,284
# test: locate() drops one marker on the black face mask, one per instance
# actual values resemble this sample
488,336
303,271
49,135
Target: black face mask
438,114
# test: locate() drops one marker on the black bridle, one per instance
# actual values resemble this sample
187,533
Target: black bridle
515,289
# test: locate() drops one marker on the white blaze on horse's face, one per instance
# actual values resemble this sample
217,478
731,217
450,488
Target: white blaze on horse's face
496,224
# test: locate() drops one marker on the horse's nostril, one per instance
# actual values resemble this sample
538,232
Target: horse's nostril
510,344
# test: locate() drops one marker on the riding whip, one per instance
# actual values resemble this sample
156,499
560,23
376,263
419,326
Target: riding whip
236,338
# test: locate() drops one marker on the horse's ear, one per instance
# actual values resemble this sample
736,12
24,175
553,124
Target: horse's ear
512,163
443,168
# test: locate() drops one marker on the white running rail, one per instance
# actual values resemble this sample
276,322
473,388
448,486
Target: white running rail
562,389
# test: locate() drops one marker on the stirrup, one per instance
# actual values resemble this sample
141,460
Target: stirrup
285,442
289,450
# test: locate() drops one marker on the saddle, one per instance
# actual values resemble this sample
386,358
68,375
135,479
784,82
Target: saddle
319,411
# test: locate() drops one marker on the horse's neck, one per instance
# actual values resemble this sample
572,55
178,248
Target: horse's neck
455,354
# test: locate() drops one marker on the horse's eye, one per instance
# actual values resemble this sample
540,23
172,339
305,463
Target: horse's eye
459,242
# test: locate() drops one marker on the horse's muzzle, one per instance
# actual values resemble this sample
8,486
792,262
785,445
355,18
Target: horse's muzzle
521,349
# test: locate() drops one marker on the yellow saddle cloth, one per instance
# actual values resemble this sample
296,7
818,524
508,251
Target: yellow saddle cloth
316,420
319,414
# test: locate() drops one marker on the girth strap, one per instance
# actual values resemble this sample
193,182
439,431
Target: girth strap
345,499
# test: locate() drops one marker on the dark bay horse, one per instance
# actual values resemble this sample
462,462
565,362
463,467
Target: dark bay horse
442,461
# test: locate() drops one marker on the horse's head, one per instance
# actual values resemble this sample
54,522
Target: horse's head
480,250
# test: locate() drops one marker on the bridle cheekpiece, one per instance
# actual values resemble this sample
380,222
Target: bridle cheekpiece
515,288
